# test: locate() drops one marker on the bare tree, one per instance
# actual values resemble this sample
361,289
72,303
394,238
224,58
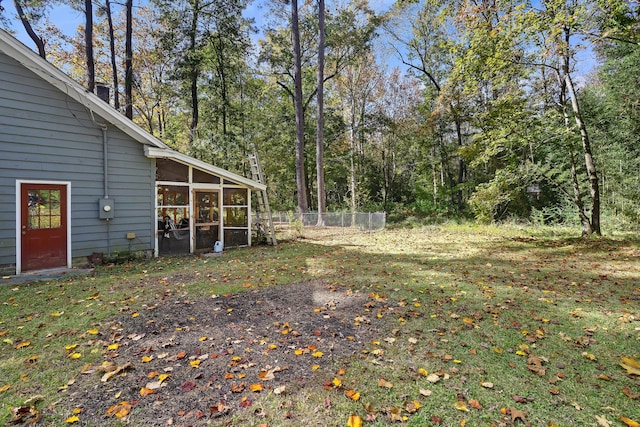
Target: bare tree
39,41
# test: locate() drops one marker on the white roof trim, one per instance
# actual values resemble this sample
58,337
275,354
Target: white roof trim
32,61
167,153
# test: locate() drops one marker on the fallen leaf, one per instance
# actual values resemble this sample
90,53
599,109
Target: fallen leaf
144,391
121,410
256,388
238,388
187,386
631,365
5,388
629,422
475,404
522,399
516,414
626,390
384,383
72,419
603,422
412,407
395,414
425,392
116,371
433,378
354,421
352,394
22,344
487,384
280,390
219,409
461,406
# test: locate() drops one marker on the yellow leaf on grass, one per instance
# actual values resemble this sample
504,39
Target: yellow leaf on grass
93,332
75,355
257,387
70,346
423,372
317,354
163,377
589,356
77,411
113,346
352,394
5,388
22,344
631,365
73,419
629,422
354,421
146,359
461,406
194,363
337,382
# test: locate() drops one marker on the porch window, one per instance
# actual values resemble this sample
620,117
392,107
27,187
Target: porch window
235,217
173,219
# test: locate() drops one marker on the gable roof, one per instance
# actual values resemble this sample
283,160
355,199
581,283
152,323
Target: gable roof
154,147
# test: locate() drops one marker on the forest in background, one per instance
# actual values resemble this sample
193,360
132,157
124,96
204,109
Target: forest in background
428,109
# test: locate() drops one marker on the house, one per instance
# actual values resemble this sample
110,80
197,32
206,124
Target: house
77,177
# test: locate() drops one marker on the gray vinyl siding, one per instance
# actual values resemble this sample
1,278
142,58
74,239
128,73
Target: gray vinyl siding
45,135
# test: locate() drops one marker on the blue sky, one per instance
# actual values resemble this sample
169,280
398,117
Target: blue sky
67,19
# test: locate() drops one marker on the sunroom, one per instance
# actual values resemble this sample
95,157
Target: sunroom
199,207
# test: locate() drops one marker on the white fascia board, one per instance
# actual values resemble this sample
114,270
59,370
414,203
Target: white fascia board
32,61
167,153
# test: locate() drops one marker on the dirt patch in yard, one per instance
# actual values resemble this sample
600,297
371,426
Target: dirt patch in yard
201,362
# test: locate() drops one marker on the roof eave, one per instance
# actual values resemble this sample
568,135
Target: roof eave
167,153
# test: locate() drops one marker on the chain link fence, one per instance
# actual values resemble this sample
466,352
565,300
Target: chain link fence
364,221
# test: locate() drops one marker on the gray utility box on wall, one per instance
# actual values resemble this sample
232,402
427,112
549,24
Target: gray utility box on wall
107,208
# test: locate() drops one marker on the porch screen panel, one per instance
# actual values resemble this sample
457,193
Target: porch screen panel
235,217
173,220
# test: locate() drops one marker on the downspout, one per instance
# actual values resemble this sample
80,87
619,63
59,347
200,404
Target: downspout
105,173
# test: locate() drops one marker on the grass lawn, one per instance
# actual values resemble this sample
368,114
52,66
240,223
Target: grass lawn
470,326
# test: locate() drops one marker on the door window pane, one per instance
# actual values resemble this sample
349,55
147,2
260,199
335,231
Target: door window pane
44,209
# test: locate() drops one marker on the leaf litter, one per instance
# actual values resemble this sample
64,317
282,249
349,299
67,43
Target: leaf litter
245,354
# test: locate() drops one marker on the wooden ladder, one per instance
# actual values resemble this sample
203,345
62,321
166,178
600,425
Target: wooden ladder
263,201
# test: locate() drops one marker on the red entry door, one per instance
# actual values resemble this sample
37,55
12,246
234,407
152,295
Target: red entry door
43,226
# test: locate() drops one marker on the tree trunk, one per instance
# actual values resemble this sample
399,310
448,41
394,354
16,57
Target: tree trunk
128,62
112,49
303,206
88,45
322,197
27,26
592,174
194,73
577,194
594,187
